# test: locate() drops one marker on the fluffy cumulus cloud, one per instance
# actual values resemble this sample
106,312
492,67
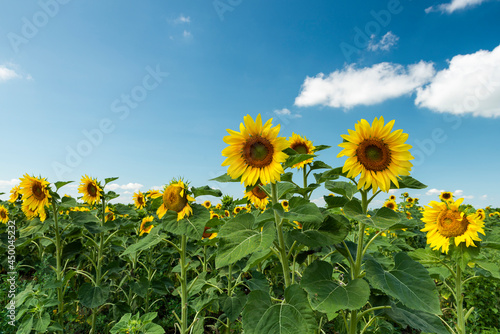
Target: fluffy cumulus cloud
454,5
134,187
433,191
7,73
286,113
353,86
384,44
470,84
9,183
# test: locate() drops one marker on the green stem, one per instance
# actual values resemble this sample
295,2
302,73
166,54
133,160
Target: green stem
229,293
183,278
205,258
281,240
304,176
459,302
99,262
59,270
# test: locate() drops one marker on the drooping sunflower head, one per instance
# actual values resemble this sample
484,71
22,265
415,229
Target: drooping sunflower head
146,229
378,154
208,235
35,193
481,213
207,204
285,205
227,213
139,200
91,190
176,198
298,225
255,152
14,194
405,195
258,197
31,214
153,193
444,220
392,197
446,196
301,146
408,215
4,214
391,205
109,215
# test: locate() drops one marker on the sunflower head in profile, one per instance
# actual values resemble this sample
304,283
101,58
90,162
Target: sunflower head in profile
481,213
218,206
392,198
207,204
285,205
14,194
35,196
139,200
378,154
297,225
146,229
405,195
208,235
227,213
391,205
153,193
4,214
257,197
446,196
109,215
301,146
255,152
444,220
91,190
176,198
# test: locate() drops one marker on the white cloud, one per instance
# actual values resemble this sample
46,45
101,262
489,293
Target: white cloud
351,86
454,5
433,191
9,183
460,193
182,19
484,196
129,186
386,42
187,34
7,73
470,84
285,112
393,191
320,201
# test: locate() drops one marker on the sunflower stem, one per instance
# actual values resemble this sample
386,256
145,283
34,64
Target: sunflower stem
229,293
59,270
281,240
459,302
304,175
183,279
99,262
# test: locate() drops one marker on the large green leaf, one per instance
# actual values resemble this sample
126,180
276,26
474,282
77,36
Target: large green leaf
225,178
205,190
408,182
335,201
342,188
329,296
319,165
293,315
92,296
333,230
383,219
303,212
282,188
191,226
426,322
409,282
233,306
83,217
239,238
297,158
491,240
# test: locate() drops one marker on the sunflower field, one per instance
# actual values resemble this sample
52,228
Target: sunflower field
270,262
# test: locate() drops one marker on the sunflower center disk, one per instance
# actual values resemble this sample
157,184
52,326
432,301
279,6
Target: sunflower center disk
258,152
374,154
92,190
451,224
173,200
37,191
300,148
259,193
3,215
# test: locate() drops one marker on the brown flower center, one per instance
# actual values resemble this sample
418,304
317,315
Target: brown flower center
3,214
173,200
451,224
259,193
140,200
390,205
206,234
92,189
258,152
300,148
446,196
374,154
37,191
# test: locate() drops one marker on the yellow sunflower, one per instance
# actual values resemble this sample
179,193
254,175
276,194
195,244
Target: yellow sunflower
392,197
237,210
298,225
176,198
207,204
14,194
481,213
376,153
35,192
255,153
285,205
218,206
258,197
491,214
391,205
443,221
154,194
208,234
227,213
109,215
214,215
90,189
31,214
301,146
143,229
139,200
405,195
446,196
4,214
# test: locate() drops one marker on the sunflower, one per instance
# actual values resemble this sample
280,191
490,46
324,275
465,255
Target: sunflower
443,221
298,226
376,153
285,205
176,198
91,190
391,205
408,214
255,153
218,206
405,195
142,228
237,210
446,196
481,213
4,214
409,200
213,215
258,197
31,214
301,146
392,197
491,214
109,215
35,194
227,213
139,200
208,234
153,194
207,204
14,194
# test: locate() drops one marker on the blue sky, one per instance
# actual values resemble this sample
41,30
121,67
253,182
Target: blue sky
146,90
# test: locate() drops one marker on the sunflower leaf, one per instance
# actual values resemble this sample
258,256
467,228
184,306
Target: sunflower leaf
143,244
335,201
342,188
191,226
60,184
426,322
225,178
320,148
110,179
332,231
92,296
327,175
205,190
408,282
297,158
408,182
319,165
